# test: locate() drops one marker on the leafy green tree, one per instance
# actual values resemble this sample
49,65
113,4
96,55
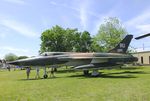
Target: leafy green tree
52,39
65,40
22,57
77,41
69,42
10,57
95,47
83,42
58,39
110,33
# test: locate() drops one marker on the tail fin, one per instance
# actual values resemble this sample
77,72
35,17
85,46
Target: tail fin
123,45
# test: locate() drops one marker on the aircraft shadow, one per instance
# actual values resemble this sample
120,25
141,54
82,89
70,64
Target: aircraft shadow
104,76
131,72
27,79
125,74
116,76
129,68
38,79
66,71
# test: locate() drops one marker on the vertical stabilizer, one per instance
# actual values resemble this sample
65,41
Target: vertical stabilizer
123,45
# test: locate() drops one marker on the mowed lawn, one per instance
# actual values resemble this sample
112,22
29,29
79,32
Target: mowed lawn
127,84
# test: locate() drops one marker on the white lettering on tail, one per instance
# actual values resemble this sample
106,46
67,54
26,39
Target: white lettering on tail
122,45
119,50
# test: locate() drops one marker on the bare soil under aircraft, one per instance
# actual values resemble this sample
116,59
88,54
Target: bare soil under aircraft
126,84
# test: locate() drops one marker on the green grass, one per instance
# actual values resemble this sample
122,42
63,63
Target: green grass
114,85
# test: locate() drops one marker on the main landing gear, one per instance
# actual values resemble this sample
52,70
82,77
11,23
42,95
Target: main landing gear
95,73
86,72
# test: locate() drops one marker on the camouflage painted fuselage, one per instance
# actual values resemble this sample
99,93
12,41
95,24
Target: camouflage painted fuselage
77,59
116,56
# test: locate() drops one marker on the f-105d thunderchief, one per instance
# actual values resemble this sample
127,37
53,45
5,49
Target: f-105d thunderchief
83,61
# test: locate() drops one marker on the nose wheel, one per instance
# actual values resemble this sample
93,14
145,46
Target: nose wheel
45,76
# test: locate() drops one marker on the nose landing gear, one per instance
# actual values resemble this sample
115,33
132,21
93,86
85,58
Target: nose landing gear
45,76
45,73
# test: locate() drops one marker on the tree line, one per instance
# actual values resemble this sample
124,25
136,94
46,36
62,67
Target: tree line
71,40
59,39
13,57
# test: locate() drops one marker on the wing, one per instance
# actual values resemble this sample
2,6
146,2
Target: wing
84,61
80,58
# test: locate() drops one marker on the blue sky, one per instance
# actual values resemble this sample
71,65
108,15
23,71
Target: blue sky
23,21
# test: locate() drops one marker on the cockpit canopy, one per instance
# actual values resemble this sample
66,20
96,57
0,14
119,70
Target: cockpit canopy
52,53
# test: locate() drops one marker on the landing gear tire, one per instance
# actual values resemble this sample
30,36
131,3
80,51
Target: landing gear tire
86,72
55,69
95,73
45,76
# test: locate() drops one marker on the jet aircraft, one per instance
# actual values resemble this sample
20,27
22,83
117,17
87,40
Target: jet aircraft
84,61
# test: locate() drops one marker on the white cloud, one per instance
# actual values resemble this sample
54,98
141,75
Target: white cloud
144,28
14,49
142,18
53,3
83,13
3,32
18,51
83,18
140,22
101,17
22,2
97,25
142,49
2,35
19,27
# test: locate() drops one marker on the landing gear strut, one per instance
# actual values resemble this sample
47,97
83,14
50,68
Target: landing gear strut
86,72
45,73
